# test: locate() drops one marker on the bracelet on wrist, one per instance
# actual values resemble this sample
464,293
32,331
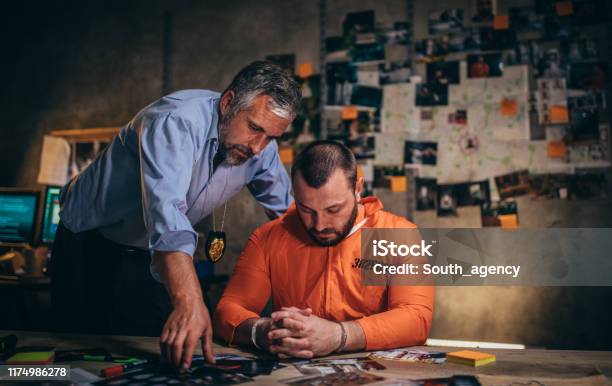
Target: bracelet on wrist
342,338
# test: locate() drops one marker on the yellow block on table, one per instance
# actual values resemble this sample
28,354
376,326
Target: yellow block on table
470,358
399,184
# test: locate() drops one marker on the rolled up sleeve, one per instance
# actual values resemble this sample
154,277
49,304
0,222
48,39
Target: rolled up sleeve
247,292
167,151
405,323
271,185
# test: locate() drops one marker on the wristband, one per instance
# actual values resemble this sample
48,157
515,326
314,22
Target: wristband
342,338
254,331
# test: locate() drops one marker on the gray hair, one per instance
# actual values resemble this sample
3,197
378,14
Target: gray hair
264,78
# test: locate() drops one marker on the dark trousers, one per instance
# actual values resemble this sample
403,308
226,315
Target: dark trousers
98,286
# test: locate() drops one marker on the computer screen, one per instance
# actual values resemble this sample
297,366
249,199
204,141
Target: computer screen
18,215
50,215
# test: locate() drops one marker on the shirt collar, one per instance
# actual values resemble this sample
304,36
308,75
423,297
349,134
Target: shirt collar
213,133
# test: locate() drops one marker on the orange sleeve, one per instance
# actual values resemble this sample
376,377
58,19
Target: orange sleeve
406,322
247,292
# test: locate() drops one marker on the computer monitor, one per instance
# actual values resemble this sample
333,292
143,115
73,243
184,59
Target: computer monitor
18,210
50,215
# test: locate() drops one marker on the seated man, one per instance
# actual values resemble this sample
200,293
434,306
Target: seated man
304,260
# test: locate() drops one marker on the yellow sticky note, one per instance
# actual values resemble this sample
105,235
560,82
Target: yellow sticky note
286,155
508,107
501,22
349,113
508,221
556,149
399,184
305,70
564,8
558,114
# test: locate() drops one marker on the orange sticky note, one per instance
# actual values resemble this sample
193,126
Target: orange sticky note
508,107
564,8
508,221
305,70
399,184
349,113
286,155
558,114
556,149
501,22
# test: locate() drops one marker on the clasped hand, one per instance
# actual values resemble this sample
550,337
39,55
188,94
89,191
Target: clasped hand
295,332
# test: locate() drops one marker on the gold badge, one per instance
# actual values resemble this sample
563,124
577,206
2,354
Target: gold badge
215,245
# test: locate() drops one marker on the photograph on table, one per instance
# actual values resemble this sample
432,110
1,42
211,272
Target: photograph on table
426,190
420,153
492,214
346,378
447,20
512,184
330,366
410,355
446,204
588,76
485,65
431,94
584,120
443,73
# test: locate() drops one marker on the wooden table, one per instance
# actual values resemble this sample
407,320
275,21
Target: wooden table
566,367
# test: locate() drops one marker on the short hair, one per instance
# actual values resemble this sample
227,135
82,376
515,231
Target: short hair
265,78
320,159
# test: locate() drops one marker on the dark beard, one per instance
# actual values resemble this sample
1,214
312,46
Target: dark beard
341,235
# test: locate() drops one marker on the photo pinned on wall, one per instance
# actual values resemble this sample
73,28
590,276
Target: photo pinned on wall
588,186
584,120
363,146
525,19
492,212
358,22
398,34
459,117
485,65
589,76
443,73
512,184
368,52
420,153
495,40
580,49
383,174
431,94
446,204
426,115
366,96
426,191
447,20
469,143
549,186
340,77
429,49
484,10
284,61
394,72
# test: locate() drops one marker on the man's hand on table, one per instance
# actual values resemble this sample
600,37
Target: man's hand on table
298,333
189,323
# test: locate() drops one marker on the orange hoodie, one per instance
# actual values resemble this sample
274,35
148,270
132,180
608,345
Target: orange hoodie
281,260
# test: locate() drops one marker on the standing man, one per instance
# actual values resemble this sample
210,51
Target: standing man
127,219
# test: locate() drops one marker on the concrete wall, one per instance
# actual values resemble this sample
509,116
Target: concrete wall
75,65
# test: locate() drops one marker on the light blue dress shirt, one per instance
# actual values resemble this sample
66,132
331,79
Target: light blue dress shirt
154,181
